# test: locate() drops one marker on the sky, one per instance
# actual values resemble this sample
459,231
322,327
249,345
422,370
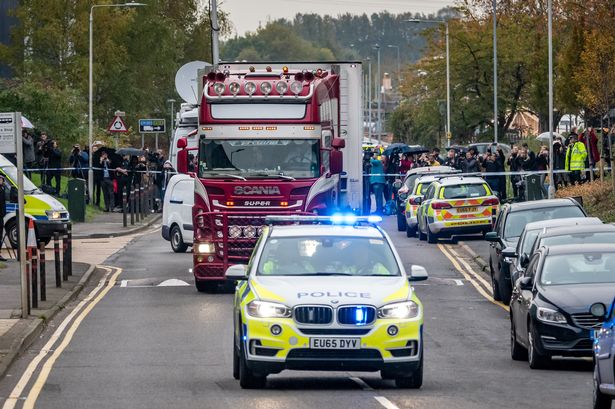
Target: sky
246,15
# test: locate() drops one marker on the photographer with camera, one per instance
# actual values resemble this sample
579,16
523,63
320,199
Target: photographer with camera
42,156
78,160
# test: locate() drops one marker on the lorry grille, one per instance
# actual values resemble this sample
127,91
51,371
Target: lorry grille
313,314
587,321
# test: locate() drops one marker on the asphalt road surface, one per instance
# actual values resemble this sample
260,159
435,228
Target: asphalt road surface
142,339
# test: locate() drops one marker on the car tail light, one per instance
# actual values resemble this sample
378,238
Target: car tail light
491,202
413,201
441,205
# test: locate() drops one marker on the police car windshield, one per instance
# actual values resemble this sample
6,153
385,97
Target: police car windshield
516,221
585,268
313,256
465,191
294,158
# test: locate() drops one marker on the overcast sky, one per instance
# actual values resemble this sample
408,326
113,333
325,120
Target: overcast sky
247,14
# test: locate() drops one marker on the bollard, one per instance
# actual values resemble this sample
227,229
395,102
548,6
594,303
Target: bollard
69,250
132,206
34,274
42,270
56,254
65,266
124,208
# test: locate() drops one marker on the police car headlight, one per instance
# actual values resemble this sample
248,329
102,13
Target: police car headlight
400,310
265,309
549,315
205,248
53,214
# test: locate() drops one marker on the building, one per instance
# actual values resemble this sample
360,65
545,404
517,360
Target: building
7,22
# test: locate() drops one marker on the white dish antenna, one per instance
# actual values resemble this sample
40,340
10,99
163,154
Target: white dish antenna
186,81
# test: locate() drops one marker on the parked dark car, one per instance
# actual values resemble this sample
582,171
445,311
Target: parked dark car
550,309
586,234
518,258
604,357
483,147
509,225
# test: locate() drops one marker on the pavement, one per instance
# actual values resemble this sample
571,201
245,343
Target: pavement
93,243
148,339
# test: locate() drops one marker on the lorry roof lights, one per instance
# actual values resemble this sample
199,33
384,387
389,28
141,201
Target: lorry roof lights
299,76
265,87
219,88
252,69
268,69
220,76
211,76
285,69
281,87
309,76
296,87
234,87
250,88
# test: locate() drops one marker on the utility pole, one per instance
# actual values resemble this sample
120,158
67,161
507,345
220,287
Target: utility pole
550,35
215,30
379,91
495,75
369,99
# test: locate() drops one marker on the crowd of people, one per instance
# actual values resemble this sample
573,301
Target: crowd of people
112,173
572,157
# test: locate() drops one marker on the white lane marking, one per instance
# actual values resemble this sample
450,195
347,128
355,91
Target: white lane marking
15,394
458,282
361,383
385,402
124,283
469,269
173,282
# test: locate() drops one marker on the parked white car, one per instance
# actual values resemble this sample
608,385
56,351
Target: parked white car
177,212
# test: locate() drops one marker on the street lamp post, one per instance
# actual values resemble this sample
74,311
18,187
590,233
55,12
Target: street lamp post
495,75
398,64
379,91
172,123
91,89
550,35
369,99
448,72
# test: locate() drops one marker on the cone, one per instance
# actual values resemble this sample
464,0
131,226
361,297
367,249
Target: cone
31,238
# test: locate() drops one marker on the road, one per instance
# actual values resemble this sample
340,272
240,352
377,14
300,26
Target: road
136,344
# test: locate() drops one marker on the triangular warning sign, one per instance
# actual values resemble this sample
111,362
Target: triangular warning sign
118,125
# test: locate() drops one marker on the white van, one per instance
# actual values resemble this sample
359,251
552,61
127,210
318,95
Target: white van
187,123
48,214
177,212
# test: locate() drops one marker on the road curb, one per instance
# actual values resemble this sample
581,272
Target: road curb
35,326
133,230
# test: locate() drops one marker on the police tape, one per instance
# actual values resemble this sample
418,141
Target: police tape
487,174
86,169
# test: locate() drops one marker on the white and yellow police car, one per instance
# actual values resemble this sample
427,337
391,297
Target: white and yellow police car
326,293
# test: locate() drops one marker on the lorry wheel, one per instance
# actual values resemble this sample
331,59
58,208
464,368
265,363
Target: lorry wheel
209,287
401,221
177,241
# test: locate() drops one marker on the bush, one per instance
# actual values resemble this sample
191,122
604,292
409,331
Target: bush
598,198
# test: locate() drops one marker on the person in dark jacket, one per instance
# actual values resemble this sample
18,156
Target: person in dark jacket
55,163
4,194
471,164
513,165
559,164
491,165
452,159
79,161
28,153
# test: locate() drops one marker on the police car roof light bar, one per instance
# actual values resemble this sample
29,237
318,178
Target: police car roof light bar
340,219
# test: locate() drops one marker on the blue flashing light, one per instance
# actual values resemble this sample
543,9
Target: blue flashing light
337,219
360,316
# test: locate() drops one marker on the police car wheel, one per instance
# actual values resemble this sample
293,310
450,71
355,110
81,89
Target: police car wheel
177,241
401,221
415,381
410,231
235,360
432,238
247,378
422,236
600,400
11,232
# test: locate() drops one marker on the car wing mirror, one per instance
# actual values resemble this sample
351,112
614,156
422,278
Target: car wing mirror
237,272
509,252
524,260
418,273
492,236
418,200
526,283
598,310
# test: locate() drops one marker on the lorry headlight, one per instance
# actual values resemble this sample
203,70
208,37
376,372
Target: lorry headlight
399,310
249,87
205,248
549,315
281,87
219,88
296,87
265,309
53,214
265,88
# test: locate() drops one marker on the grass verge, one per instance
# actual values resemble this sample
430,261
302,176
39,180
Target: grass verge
598,198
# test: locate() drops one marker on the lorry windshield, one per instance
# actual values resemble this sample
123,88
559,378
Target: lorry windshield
296,158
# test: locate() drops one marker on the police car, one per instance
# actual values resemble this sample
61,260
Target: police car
456,205
412,202
326,293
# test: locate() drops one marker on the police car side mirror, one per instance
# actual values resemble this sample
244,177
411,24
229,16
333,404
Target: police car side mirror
418,273
237,272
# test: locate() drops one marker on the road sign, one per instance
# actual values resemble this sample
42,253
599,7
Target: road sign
8,134
118,125
152,125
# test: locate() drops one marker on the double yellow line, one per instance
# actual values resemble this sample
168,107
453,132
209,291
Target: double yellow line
68,327
482,286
